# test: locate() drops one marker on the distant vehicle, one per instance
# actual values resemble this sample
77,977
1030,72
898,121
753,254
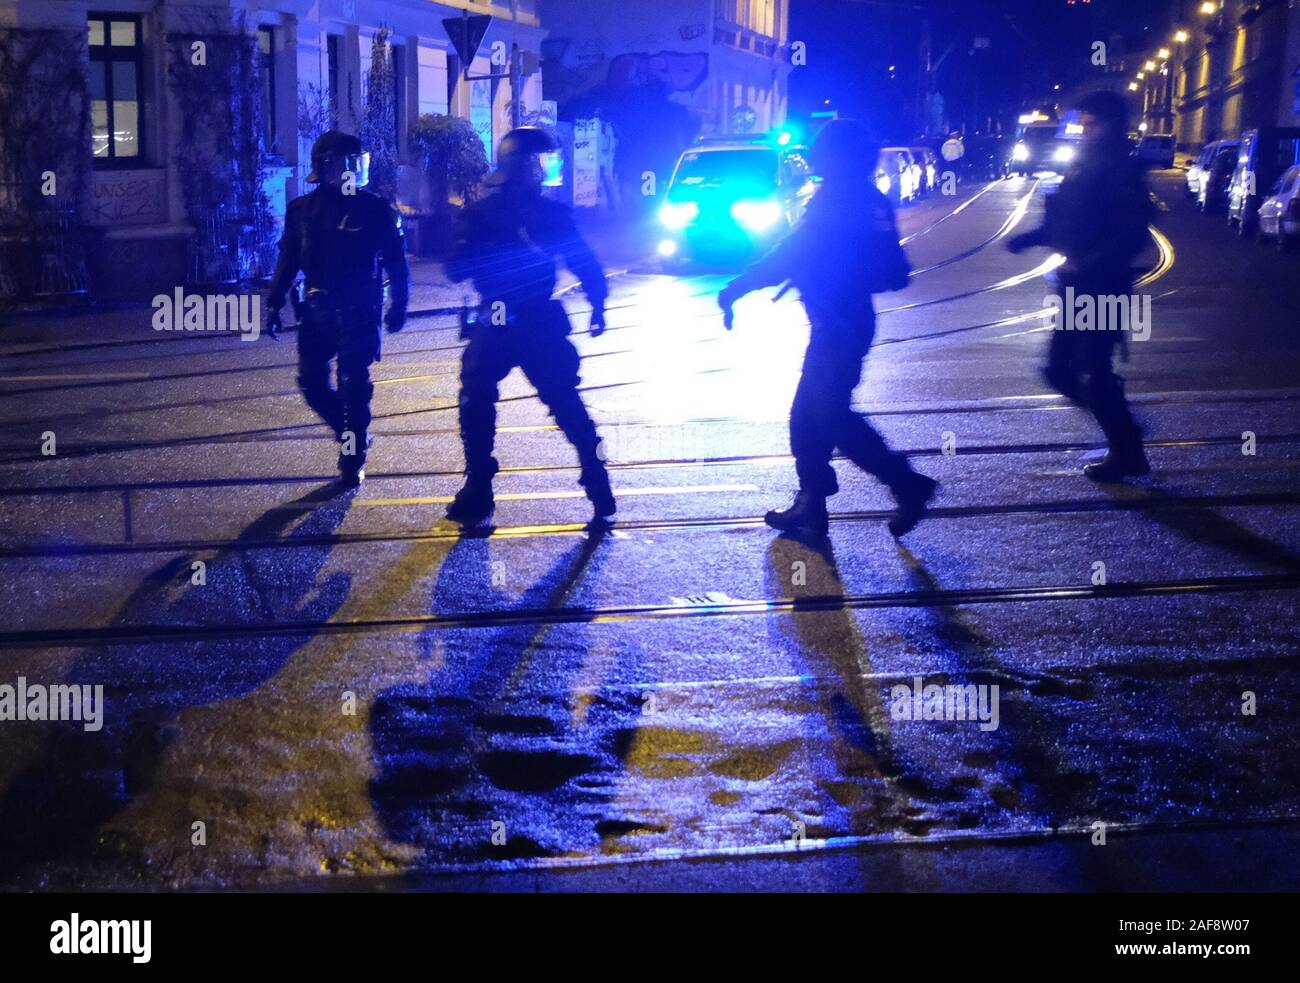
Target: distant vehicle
1264,156
1201,165
1279,213
730,198
985,157
1041,148
1157,149
929,165
1212,187
904,175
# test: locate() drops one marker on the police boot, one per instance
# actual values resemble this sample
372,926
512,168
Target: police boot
1118,464
913,501
473,503
352,469
807,514
595,481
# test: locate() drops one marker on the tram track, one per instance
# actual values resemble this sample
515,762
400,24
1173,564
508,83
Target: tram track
151,633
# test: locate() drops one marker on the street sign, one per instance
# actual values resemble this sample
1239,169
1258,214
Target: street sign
466,34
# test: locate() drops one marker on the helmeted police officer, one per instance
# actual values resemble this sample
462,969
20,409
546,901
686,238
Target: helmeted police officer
507,244
1098,220
340,236
845,247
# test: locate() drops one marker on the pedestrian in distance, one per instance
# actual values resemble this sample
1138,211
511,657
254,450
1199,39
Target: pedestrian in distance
343,239
843,250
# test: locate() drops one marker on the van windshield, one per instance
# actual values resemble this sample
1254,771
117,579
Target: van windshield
712,168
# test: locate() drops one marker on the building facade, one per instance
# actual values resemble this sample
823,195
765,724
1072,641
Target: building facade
724,60
312,59
1227,66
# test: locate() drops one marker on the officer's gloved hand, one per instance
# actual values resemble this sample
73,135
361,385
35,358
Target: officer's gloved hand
597,322
727,298
394,321
273,323
1018,244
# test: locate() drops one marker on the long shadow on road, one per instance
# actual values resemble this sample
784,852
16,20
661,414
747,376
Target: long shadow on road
495,758
77,781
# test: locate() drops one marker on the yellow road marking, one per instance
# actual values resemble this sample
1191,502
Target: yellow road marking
575,493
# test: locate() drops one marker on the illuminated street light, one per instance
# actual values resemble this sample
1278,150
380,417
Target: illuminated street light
1150,66
1209,7
1132,87
1181,37
1163,54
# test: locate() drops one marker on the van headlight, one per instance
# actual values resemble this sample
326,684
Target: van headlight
678,214
883,184
756,216
1020,152
1063,155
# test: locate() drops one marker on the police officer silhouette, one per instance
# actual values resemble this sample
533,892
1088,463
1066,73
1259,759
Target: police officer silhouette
844,249
1098,220
342,238
507,244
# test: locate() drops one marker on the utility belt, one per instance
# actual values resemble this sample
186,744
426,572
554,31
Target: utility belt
350,325
321,306
500,316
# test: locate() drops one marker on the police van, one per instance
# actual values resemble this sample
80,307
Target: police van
730,198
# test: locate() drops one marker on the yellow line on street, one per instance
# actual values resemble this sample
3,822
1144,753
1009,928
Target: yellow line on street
575,493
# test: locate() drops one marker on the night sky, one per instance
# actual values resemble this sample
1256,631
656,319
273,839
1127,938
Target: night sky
1032,46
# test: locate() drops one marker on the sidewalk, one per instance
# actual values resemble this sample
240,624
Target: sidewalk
618,245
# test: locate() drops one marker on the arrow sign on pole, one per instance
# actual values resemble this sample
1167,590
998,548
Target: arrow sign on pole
466,34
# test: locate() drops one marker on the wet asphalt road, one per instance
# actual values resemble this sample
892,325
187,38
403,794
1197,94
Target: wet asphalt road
360,697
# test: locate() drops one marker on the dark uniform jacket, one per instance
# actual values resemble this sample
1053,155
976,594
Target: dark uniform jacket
836,255
1098,220
340,242
507,244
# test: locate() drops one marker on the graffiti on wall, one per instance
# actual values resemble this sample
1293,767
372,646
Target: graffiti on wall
126,198
680,72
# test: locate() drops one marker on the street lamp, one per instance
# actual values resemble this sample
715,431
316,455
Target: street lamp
1209,8
1163,54
1150,66
1132,87
1181,37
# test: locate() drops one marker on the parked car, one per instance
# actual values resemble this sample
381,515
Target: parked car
1212,193
1279,213
1157,149
984,159
904,175
1264,156
1209,153
929,165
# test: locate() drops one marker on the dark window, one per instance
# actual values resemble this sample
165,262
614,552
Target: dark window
116,93
332,51
266,57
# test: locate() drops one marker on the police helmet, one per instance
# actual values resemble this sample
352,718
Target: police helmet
844,148
337,145
517,152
